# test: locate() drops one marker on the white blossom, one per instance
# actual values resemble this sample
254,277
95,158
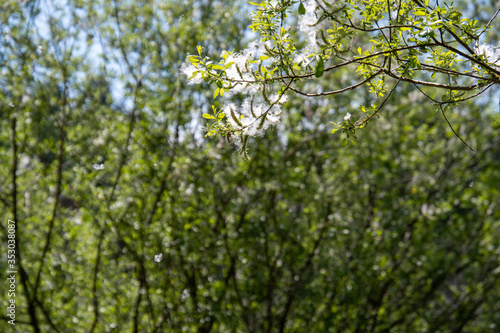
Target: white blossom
185,294
24,162
307,25
98,166
101,138
492,53
158,257
242,70
347,116
188,70
237,70
254,116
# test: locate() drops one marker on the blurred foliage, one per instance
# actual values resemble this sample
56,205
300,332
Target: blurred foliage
129,221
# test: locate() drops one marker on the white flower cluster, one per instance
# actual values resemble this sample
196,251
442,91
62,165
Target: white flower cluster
492,53
242,70
307,25
257,112
98,166
254,118
188,70
260,109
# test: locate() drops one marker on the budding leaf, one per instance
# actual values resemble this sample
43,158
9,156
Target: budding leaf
320,67
208,116
302,9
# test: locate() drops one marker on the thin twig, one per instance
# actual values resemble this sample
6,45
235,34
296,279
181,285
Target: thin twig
95,300
354,86
451,127
489,23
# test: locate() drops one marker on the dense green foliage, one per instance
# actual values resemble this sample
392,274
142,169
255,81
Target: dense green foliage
129,220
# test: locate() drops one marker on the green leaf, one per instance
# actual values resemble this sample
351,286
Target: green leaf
194,75
496,118
302,9
320,67
208,116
